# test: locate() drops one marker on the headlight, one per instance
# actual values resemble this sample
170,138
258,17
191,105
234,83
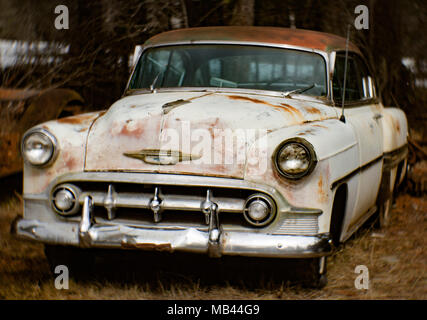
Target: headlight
65,199
38,147
295,158
260,210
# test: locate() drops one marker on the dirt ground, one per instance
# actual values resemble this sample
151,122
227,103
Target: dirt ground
395,257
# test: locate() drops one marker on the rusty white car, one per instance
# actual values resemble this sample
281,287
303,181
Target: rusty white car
227,141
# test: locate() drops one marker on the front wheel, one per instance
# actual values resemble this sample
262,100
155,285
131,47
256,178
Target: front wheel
316,273
384,213
78,261
384,201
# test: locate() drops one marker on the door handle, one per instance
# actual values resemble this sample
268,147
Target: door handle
377,116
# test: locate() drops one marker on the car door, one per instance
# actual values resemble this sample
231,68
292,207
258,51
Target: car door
362,116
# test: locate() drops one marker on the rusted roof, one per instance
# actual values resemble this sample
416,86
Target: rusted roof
296,37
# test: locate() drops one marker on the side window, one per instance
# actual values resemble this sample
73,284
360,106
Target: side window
358,82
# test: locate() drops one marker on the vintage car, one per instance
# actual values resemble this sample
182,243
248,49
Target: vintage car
240,141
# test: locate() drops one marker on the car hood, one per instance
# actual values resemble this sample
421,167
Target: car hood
187,132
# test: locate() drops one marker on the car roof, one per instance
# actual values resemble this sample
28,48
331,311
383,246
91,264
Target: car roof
267,35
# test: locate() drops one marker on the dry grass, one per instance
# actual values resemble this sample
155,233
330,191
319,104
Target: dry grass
396,259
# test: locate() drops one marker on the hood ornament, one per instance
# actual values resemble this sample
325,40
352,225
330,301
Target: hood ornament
163,157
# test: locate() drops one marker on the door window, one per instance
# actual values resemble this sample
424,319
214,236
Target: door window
359,85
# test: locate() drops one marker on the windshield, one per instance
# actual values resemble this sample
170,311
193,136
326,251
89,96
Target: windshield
231,66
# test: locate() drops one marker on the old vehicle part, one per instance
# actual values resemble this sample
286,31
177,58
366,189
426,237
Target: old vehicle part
295,158
21,109
39,147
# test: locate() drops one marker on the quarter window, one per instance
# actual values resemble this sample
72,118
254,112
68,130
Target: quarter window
359,84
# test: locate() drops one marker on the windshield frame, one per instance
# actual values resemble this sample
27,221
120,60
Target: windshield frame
323,54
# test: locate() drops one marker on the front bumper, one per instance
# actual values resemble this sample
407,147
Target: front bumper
294,235
185,239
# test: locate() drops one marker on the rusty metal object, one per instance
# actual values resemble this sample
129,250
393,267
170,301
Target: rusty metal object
21,109
295,37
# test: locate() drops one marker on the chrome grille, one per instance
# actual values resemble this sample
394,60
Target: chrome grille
179,205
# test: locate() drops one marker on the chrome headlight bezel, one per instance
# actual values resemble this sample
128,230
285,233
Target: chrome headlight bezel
270,204
307,146
53,147
74,191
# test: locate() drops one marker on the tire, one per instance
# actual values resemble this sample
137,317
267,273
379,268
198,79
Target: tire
316,275
384,202
383,219
80,262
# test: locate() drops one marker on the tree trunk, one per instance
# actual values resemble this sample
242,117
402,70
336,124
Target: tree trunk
243,13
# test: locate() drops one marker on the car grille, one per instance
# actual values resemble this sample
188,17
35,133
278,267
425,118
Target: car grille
181,206
299,225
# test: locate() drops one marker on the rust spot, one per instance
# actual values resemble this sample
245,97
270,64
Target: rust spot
297,37
312,110
323,197
148,246
131,131
80,119
283,106
126,132
70,163
234,97
290,108
307,132
397,126
319,126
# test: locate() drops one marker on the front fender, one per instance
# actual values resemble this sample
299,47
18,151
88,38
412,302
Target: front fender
71,134
337,152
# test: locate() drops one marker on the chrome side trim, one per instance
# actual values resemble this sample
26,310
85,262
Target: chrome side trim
392,158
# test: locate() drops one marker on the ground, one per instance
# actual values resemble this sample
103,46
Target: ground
395,257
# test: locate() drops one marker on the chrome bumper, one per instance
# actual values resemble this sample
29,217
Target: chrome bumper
283,239
185,239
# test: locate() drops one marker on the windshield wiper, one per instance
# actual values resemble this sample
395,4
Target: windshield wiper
155,80
300,90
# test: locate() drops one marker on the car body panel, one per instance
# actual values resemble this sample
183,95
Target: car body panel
130,126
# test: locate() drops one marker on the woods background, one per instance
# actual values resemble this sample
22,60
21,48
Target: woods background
92,56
